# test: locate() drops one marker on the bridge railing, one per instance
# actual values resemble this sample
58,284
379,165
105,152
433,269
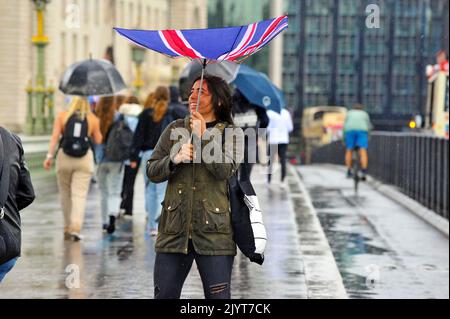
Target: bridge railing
417,164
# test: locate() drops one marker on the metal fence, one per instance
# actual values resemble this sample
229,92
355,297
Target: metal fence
417,164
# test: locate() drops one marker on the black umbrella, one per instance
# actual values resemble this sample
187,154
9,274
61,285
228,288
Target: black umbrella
91,77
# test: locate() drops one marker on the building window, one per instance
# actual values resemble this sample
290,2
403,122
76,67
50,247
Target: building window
97,12
130,15
121,14
74,48
86,11
63,49
86,50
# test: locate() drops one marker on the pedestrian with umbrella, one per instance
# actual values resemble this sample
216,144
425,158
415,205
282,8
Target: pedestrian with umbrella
75,130
196,221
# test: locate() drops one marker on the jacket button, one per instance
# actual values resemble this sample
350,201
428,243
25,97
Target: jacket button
179,192
194,188
170,207
207,222
217,209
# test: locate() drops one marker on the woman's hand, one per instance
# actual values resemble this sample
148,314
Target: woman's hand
48,163
198,124
185,154
133,165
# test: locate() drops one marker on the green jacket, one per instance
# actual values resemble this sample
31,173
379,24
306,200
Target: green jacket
196,203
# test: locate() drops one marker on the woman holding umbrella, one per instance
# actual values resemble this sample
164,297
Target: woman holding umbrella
195,222
75,162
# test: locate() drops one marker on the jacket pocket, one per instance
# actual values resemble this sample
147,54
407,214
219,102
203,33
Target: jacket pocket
216,219
171,218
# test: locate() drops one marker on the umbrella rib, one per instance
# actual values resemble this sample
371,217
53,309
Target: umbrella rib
232,46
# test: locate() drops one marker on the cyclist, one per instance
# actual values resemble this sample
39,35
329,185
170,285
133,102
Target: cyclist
356,133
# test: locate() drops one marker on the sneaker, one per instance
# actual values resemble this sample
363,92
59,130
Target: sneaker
67,236
128,215
349,173
76,236
364,175
112,225
153,232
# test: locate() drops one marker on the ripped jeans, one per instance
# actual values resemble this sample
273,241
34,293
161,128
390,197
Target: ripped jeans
172,269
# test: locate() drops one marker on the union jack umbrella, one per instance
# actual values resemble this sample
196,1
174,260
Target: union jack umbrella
209,45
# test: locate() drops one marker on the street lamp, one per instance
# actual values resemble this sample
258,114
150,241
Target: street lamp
39,93
138,57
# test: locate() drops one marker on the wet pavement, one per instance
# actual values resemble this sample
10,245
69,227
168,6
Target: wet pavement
382,250
369,244
121,265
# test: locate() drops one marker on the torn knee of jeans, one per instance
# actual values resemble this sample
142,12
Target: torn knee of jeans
217,289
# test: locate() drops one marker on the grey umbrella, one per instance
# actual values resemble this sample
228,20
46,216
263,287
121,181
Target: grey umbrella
91,77
193,70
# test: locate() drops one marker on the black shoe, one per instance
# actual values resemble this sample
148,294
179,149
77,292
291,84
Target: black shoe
112,225
349,173
105,227
364,175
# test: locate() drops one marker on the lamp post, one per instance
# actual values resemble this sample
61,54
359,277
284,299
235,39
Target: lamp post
38,125
138,57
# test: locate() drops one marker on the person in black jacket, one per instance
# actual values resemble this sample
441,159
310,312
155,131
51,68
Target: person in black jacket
16,193
248,116
152,123
177,109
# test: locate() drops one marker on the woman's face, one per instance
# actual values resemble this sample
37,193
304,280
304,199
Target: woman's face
206,106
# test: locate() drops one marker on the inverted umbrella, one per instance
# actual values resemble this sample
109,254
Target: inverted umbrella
91,77
209,45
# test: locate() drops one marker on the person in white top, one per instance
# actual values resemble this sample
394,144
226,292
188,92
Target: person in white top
280,125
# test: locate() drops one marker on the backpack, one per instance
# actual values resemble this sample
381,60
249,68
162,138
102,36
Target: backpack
75,141
118,142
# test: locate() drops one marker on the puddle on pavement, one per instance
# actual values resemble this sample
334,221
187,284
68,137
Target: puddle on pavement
349,236
346,245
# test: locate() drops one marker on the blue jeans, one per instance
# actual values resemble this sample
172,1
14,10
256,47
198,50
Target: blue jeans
110,178
154,194
6,267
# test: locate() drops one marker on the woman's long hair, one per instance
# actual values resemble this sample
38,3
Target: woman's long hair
150,101
162,97
118,101
131,99
105,112
221,97
78,105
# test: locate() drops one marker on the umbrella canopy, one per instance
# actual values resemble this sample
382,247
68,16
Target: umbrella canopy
219,44
258,89
208,45
91,77
225,70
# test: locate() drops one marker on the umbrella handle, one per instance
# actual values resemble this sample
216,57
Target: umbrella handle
201,84
199,92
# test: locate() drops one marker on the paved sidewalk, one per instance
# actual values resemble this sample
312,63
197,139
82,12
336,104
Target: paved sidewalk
121,265
383,250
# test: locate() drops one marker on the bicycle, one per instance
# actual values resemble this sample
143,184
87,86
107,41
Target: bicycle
356,169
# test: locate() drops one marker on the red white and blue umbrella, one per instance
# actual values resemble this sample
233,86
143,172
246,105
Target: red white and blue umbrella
209,45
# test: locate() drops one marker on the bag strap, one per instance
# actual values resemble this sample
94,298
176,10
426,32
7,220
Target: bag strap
5,144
